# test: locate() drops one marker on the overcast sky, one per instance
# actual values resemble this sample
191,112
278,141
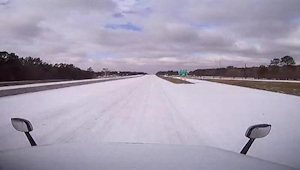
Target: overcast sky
139,35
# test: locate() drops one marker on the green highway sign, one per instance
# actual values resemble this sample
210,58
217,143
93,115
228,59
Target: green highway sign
182,73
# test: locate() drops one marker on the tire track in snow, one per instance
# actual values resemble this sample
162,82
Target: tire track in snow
54,118
103,118
185,131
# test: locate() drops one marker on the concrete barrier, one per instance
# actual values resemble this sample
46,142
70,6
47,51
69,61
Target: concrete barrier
22,90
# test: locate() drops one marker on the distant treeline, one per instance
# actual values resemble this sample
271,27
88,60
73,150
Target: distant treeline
14,68
272,72
284,68
118,73
167,73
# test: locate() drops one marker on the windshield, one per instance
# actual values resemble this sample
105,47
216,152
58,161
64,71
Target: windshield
186,72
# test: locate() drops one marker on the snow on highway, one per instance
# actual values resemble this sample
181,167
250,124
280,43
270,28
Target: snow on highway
148,109
59,82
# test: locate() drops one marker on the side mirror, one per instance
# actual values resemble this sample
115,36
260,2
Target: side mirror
254,132
25,126
21,125
258,131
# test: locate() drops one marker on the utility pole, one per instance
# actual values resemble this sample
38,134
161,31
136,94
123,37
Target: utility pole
245,72
105,71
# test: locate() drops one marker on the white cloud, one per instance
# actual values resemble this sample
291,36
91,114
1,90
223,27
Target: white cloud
173,34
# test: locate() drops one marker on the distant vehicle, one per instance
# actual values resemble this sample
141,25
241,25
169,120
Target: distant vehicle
132,156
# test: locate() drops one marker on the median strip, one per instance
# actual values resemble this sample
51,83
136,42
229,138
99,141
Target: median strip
175,80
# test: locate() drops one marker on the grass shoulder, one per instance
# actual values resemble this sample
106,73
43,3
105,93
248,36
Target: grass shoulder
280,87
175,80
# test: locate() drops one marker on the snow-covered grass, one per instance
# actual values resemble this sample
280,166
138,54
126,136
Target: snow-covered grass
244,79
13,83
280,87
148,109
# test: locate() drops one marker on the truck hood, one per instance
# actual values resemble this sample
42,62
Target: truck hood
129,156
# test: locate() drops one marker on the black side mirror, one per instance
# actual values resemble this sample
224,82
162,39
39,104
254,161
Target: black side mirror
253,132
25,126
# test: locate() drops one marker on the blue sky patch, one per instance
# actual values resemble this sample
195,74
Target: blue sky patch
127,26
295,21
202,26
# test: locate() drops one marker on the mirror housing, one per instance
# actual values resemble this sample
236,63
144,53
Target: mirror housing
258,131
254,132
21,125
25,126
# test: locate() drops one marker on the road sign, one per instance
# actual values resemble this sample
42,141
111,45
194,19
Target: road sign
182,73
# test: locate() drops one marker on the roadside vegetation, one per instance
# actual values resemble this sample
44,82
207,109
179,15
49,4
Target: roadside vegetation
175,80
284,68
15,68
280,87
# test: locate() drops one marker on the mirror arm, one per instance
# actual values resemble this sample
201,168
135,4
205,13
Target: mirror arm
29,137
247,146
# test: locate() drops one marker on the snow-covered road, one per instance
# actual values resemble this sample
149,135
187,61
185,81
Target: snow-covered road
148,109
